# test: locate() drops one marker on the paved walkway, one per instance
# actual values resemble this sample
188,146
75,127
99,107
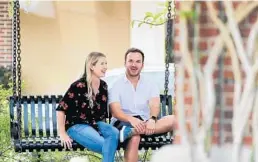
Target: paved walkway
179,153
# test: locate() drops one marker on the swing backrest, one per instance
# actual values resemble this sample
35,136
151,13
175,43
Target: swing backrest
39,124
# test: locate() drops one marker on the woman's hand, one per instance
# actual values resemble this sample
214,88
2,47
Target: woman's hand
66,141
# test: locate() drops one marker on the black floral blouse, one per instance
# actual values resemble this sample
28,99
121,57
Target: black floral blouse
76,104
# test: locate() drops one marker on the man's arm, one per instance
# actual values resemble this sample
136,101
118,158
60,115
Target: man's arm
154,101
154,104
117,112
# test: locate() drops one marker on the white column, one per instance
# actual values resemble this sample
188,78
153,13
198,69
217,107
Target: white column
150,40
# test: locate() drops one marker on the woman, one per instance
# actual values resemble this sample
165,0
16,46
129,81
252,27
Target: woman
83,109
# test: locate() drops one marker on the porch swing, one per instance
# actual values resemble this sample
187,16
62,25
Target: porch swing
33,121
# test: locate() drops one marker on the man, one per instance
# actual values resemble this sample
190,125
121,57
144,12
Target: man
135,104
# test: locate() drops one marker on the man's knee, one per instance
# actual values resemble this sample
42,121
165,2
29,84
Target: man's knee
135,139
172,122
166,124
134,142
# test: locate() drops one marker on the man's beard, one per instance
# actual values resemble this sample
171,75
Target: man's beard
133,74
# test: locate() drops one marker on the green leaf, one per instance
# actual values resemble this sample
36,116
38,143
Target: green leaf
140,24
132,23
149,14
161,20
155,17
147,18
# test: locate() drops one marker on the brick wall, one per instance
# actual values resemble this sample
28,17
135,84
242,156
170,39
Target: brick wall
5,35
208,31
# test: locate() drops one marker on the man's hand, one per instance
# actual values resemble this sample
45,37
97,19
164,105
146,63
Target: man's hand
138,124
150,127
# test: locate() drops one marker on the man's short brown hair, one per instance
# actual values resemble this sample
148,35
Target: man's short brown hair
134,50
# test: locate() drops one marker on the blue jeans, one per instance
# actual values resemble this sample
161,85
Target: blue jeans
105,144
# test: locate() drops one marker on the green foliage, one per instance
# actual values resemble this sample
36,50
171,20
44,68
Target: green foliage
160,18
5,91
151,19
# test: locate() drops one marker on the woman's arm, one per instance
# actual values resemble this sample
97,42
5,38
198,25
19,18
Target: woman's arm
66,141
66,103
61,122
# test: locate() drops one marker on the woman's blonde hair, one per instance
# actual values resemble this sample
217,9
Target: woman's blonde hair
91,60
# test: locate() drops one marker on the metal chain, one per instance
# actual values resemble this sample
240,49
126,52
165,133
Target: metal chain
18,68
17,57
174,57
168,49
18,49
14,51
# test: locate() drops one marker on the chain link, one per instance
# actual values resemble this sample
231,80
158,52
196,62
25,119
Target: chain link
17,65
169,47
18,49
14,52
174,57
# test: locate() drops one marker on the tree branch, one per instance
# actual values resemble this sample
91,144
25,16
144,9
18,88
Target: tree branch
208,77
225,35
251,40
180,104
243,10
255,125
146,22
237,37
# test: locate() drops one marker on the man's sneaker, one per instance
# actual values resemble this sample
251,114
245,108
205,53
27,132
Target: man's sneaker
125,133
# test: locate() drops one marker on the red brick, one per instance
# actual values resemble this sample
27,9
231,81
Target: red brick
186,87
228,88
215,74
217,113
227,61
203,6
177,5
215,139
227,127
235,4
229,139
215,127
228,74
247,140
229,101
203,45
203,19
176,46
253,18
186,74
176,32
245,32
188,100
208,32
